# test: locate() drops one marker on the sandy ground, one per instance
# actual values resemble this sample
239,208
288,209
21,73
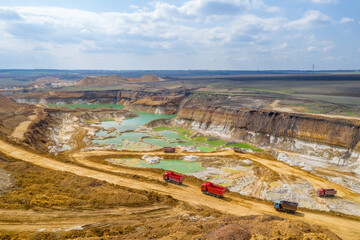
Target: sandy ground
276,166
22,128
30,220
276,107
344,227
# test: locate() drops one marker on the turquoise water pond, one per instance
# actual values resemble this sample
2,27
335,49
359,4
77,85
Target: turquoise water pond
159,142
172,135
109,141
171,165
130,124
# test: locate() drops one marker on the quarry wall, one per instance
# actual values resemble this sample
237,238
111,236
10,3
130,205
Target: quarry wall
330,138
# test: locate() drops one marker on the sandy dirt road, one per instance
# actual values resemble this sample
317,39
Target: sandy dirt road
343,227
22,128
276,166
30,220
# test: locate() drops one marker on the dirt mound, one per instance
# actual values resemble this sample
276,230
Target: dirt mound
115,79
229,232
147,78
266,227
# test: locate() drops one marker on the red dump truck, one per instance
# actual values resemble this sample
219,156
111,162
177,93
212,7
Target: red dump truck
321,192
173,178
169,149
286,206
213,190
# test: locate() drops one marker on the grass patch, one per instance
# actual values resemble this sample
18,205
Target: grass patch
246,146
184,131
217,143
205,149
158,129
107,119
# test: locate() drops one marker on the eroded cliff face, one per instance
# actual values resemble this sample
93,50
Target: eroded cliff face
333,139
160,102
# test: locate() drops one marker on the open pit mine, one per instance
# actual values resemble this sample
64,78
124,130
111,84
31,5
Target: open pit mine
174,163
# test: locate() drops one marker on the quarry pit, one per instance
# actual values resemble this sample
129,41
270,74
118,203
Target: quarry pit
286,155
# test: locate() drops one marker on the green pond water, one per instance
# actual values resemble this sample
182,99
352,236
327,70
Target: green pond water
133,138
109,141
172,135
205,149
159,142
163,136
171,165
73,106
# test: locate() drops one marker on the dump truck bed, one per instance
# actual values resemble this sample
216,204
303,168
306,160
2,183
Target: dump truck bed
289,205
330,191
176,177
216,189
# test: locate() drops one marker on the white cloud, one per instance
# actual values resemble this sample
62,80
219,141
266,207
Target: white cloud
328,48
311,19
346,20
214,7
324,1
312,49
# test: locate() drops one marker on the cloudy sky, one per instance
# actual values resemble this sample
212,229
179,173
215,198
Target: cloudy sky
190,34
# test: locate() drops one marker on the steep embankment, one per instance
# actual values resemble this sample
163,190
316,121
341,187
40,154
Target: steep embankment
12,114
335,139
156,101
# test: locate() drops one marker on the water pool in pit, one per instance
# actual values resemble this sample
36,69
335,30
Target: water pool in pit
179,166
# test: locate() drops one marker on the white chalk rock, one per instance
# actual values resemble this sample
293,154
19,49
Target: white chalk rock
151,160
190,158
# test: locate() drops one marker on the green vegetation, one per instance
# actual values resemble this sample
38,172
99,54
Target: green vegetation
107,119
158,129
205,149
246,146
186,132
270,90
172,165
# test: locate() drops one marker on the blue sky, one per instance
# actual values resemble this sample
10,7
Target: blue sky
191,34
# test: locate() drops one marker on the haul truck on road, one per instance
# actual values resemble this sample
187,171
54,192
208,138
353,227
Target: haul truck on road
321,192
173,178
169,149
213,190
285,206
